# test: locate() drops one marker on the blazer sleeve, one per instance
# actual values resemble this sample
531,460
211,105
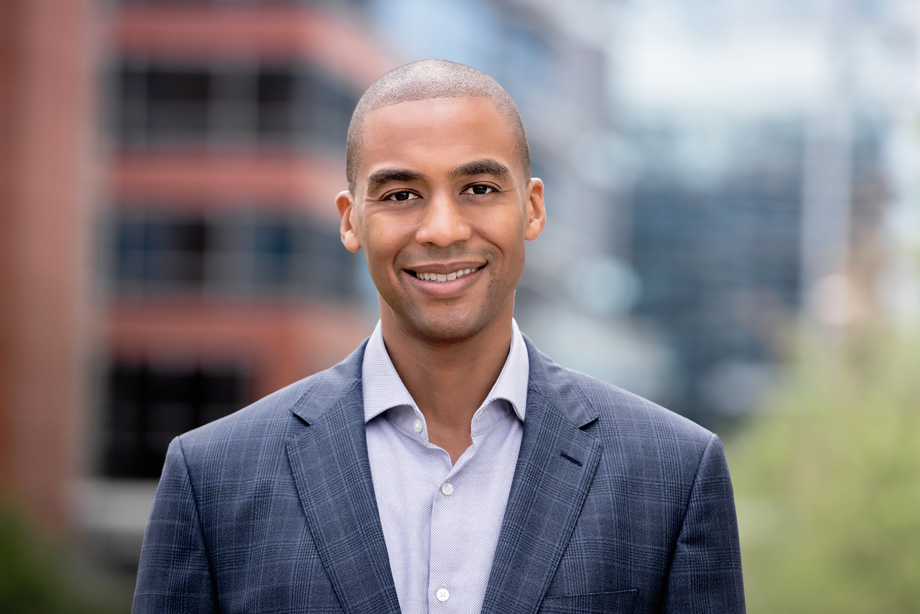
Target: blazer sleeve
705,572
174,573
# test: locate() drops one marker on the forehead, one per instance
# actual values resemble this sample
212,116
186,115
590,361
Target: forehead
437,134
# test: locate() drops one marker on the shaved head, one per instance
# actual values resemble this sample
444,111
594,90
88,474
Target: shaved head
431,79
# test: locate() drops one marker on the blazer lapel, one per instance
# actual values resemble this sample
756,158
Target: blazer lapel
555,467
333,478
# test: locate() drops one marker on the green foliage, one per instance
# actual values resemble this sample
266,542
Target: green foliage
827,482
39,578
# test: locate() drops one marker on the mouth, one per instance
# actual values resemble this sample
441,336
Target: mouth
443,277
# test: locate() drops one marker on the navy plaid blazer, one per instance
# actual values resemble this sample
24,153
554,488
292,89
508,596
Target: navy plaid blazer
617,505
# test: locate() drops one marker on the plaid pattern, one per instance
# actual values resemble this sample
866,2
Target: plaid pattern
617,505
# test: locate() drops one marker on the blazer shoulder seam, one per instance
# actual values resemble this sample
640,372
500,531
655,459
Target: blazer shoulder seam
191,485
696,477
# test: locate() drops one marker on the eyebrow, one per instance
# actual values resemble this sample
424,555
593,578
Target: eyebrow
382,177
486,166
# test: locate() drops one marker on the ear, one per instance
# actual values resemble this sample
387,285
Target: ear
349,227
536,210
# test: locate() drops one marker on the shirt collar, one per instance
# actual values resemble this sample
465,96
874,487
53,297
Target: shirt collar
383,389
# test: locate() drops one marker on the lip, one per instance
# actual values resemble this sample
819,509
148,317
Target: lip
445,289
445,268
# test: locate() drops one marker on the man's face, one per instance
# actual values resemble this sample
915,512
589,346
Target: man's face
441,209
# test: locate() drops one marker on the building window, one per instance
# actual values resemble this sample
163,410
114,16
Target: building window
148,404
159,251
252,254
223,104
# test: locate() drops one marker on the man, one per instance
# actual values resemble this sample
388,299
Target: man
446,465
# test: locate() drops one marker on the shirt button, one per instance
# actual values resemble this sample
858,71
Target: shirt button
418,426
443,594
448,489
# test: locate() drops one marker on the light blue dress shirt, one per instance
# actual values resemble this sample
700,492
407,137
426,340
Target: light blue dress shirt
441,521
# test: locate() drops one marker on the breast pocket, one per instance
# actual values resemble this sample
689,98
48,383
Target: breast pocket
595,603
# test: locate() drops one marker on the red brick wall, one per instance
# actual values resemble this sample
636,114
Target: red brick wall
46,171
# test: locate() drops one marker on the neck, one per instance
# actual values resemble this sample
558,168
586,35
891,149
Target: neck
449,382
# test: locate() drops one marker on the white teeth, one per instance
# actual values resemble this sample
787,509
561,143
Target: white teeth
440,277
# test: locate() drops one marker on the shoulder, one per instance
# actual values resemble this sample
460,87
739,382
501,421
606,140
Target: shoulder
609,411
656,453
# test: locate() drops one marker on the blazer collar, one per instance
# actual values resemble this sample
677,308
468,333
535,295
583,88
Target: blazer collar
327,389
555,467
547,380
556,386
333,479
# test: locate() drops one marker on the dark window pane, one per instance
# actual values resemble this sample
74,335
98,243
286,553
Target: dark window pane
166,86
178,103
274,251
147,405
168,252
275,86
276,101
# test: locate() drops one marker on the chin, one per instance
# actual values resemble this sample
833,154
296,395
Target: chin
447,334
446,328
449,324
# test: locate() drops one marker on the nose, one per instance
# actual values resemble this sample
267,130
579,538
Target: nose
443,222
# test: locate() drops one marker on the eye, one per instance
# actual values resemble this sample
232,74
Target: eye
401,195
479,189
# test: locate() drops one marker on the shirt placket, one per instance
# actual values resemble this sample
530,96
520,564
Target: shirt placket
445,588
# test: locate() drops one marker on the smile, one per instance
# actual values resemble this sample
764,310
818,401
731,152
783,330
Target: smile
444,277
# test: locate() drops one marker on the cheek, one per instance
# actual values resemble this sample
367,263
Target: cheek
379,256
508,234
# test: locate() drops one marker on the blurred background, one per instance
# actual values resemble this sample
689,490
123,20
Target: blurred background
733,194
